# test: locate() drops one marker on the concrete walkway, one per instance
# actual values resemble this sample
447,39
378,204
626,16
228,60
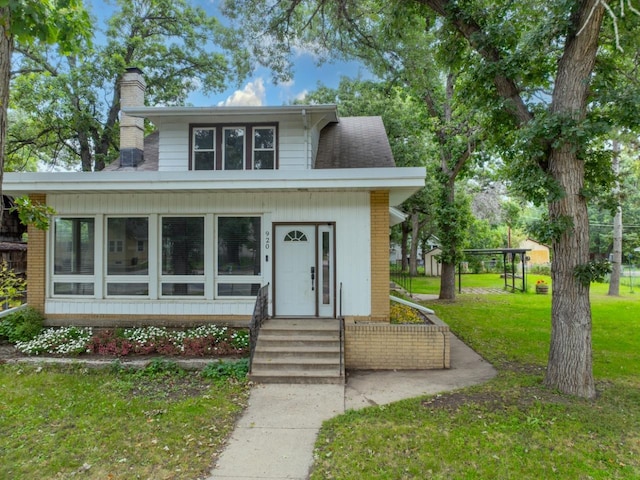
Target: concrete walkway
275,436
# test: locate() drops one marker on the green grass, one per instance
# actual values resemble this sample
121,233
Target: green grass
511,427
162,423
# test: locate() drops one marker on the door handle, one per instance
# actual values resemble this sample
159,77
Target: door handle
313,278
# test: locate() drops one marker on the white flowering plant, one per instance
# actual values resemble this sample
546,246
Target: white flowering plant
59,341
205,340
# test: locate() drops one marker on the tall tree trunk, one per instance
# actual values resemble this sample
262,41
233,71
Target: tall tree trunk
415,233
570,368
449,247
448,281
616,261
6,49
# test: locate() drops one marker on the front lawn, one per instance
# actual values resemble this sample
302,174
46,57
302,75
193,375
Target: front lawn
511,427
157,423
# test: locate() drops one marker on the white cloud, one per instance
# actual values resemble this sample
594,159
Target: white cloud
302,95
252,95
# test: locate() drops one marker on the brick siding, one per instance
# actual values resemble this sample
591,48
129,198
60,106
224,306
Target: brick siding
36,261
378,346
379,256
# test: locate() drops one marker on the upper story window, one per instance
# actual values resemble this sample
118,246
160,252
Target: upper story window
204,149
233,147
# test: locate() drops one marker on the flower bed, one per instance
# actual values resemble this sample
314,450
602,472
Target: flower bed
207,340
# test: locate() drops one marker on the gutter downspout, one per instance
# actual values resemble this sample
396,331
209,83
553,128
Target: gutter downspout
305,123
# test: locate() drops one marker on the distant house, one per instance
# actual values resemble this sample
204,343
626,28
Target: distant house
539,254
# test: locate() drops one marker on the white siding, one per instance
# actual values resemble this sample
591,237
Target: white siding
174,147
349,211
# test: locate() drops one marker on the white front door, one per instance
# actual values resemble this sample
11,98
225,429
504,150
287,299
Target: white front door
304,270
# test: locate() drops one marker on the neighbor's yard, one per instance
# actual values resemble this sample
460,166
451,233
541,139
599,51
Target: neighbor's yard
511,427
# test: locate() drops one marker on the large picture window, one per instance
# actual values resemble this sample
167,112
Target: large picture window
74,246
234,147
183,256
239,260
128,266
73,256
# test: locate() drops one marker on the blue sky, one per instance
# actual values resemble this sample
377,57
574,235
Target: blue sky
259,88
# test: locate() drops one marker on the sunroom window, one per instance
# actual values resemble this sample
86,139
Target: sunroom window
73,256
128,267
239,261
183,256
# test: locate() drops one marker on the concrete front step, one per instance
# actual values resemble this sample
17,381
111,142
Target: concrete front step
297,341
298,351
309,377
303,351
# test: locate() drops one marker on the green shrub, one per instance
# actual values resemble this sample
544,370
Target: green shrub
220,370
21,326
161,367
540,270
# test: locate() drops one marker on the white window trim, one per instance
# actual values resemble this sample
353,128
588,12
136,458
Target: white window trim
194,150
191,279
242,279
125,279
54,278
254,149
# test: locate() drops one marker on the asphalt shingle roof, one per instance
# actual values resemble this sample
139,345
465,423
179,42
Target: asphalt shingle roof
354,142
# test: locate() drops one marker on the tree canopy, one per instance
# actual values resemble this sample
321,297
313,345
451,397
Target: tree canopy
537,73
68,104
63,22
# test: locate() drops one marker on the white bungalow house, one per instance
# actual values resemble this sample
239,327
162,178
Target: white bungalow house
218,202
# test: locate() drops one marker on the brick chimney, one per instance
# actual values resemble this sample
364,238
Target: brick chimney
132,87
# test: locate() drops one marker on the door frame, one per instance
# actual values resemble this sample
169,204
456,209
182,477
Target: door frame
333,279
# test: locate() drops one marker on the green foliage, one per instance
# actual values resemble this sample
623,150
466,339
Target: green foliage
403,314
547,231
594,271
66,105
22,325
160,367
64,22
31,213
453,221
12,287
223,369
540,270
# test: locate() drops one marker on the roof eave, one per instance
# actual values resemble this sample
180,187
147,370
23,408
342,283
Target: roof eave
401,182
